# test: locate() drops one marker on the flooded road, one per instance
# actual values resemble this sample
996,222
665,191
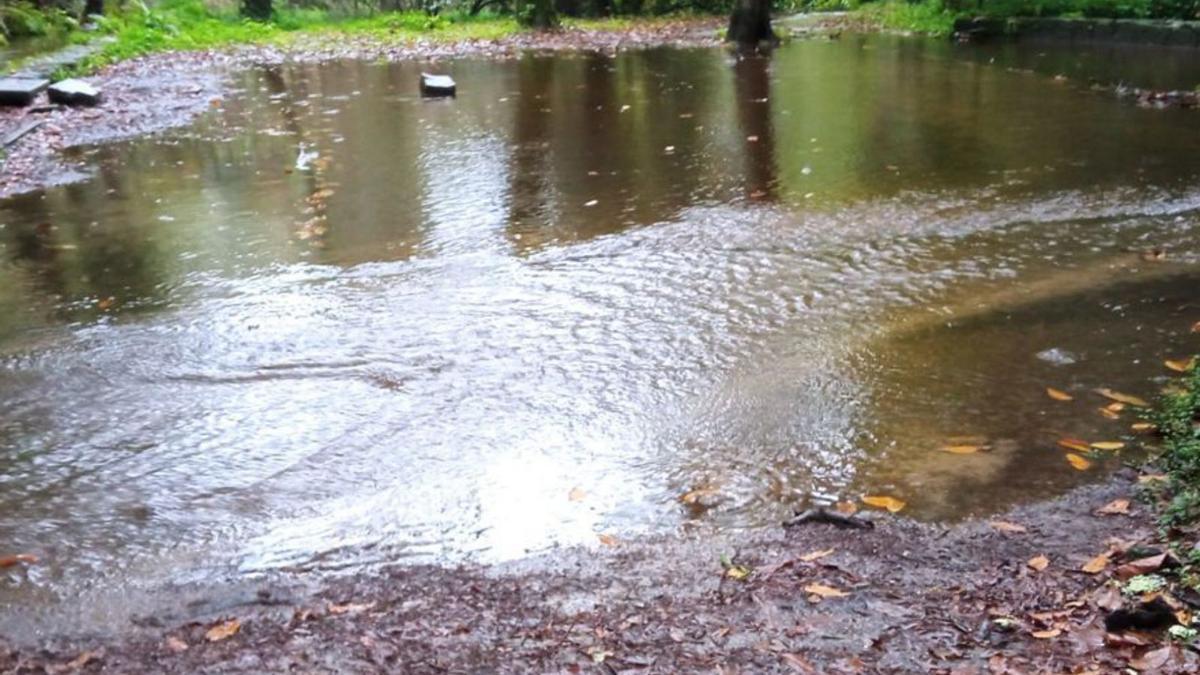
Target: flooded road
333,325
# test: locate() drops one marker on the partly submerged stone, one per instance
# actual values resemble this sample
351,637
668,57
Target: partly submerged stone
74,92
21,90
437,85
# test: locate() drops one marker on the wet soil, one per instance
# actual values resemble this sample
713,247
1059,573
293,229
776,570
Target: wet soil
902,597
162,91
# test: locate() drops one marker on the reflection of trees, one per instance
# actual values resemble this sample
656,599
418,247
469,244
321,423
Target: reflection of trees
529,193
752,84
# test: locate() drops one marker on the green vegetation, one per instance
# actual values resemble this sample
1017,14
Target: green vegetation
936,17
23,19
1175,417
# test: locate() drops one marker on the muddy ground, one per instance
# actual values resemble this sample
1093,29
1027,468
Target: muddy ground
902,597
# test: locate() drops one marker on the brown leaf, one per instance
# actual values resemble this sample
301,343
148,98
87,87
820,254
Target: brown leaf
1005,526
176,645
1152,659
824,591
1078,462
1074,444
1097,564
1123,398
1180,365
576,494
223,630
1141,566
350,608
815,555
1142,426
608,540
847,507
798,664
694,496
890,503
1108,445
1058,394
12,560
1046,634
1117,507
961,449
1109,414
1038,563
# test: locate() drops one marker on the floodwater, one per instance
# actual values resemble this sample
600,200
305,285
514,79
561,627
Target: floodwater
332,325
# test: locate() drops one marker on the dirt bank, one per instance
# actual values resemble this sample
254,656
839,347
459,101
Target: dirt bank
161,91
903,597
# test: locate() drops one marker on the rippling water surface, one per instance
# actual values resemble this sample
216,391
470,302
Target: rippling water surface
333,325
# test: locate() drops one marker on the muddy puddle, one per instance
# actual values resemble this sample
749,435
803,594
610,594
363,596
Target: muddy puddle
332,325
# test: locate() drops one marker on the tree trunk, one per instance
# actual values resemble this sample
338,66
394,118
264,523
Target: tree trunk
91,7
258,10
537,13
750,24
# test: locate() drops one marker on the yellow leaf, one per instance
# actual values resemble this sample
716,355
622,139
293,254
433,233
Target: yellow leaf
1058,394
1151,478
1074,444
824,591
1078,462
1108,445
1114,508
1038,563
576,494
1142,426
737,572
967,440
1108,413
223,630
890,503
815,555
1123,398
608,539
1115,406
1096,565
1005,526
846,507
1180,365
694,496
1046,634
961,449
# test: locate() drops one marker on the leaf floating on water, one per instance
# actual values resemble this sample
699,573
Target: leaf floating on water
1005,526
591,202
961,449
1108,445
1074,444
608,540
1078,462
890,503
224,630
1180,365
1108,413
1096,565
1038,563
1116,507
1058,394
1123,398
576,494
823,591
967,440
1142,426
816,555
13,560
694,496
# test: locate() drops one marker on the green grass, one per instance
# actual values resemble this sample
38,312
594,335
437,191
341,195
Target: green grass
930,17
936,17
1175,416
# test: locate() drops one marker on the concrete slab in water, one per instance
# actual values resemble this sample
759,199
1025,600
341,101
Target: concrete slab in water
74,92
20,90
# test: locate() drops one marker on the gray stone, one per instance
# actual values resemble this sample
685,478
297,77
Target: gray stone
437,85
20,90
74,92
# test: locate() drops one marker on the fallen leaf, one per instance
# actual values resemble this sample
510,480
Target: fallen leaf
1005,526
1145,565
11,560
1151,478
961,449
1108,445
849,508
816,555
1152,660
1038,563
1123,398
1142,426
823,591
1115,406
1078,462
890,503
694,496
1096,565
1117,507
738,572
798,664
608,539
176,645
1108,597
1108,413
224,630
350,608
83,659
1046,634
1058,394
1180,365
576,494
967,440
1074,444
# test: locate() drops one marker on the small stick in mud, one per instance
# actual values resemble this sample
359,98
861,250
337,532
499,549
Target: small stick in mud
823,515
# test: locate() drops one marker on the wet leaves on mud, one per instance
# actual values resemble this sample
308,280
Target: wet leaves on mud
962,449
1180,365
1117,507
816,555
1141,566
1096,565
223,630
14,560
1038,563
608,540
1058,394
1046,634
883,502
350,608
1142,427
176,645
823,592
1074,444
1108,445
1078,462
1007,527
1123,398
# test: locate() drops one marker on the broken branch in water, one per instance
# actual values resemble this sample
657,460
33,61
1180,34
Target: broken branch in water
822,515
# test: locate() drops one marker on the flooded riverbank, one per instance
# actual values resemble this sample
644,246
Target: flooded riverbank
332,325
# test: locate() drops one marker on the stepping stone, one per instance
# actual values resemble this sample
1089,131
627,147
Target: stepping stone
437,85
74,92
20,91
